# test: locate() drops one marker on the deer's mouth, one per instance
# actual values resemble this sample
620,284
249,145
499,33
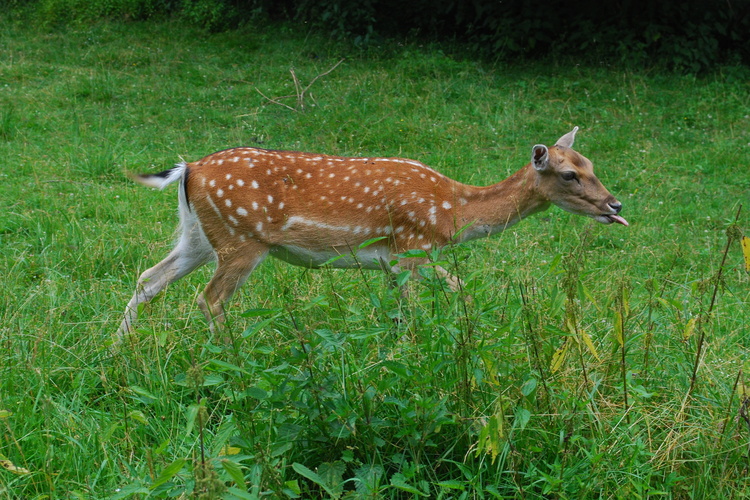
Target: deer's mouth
610,218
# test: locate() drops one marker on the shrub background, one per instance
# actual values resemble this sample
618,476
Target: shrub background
692,35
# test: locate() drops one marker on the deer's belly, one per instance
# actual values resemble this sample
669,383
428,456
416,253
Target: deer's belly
371,257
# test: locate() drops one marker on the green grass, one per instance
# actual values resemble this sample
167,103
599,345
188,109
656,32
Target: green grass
322,393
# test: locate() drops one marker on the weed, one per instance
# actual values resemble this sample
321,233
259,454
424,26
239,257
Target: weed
7,121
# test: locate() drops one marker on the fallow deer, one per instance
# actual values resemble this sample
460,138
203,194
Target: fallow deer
240,205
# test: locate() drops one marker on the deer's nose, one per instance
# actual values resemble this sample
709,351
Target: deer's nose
616,206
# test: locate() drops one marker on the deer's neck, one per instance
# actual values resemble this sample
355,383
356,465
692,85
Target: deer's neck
483,211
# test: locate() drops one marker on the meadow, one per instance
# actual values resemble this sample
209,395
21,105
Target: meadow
592,361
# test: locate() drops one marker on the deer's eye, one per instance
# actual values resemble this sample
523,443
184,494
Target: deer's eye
568,176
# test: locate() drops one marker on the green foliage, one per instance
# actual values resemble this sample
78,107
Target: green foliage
344,19
688,36
57,12
691,36
211,15
580,361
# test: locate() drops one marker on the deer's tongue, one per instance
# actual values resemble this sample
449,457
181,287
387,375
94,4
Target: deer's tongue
619,220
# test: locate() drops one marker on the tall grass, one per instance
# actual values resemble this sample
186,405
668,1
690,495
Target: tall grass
590,361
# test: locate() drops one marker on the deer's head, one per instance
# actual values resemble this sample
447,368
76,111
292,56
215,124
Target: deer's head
566,178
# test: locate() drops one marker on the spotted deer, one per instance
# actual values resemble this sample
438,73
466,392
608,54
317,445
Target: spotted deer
240,205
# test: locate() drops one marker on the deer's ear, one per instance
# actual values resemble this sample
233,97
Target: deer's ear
540,157
567,139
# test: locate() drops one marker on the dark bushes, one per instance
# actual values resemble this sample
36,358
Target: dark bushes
691,35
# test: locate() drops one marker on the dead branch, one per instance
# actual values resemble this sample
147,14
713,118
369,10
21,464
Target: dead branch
299,92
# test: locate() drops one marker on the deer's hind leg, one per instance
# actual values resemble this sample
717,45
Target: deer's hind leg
191,252
234,266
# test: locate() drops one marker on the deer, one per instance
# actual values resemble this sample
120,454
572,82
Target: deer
240,205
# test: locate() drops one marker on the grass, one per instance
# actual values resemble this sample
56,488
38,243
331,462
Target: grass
569,374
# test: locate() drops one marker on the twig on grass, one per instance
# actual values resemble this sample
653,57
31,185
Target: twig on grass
274,101
299,92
